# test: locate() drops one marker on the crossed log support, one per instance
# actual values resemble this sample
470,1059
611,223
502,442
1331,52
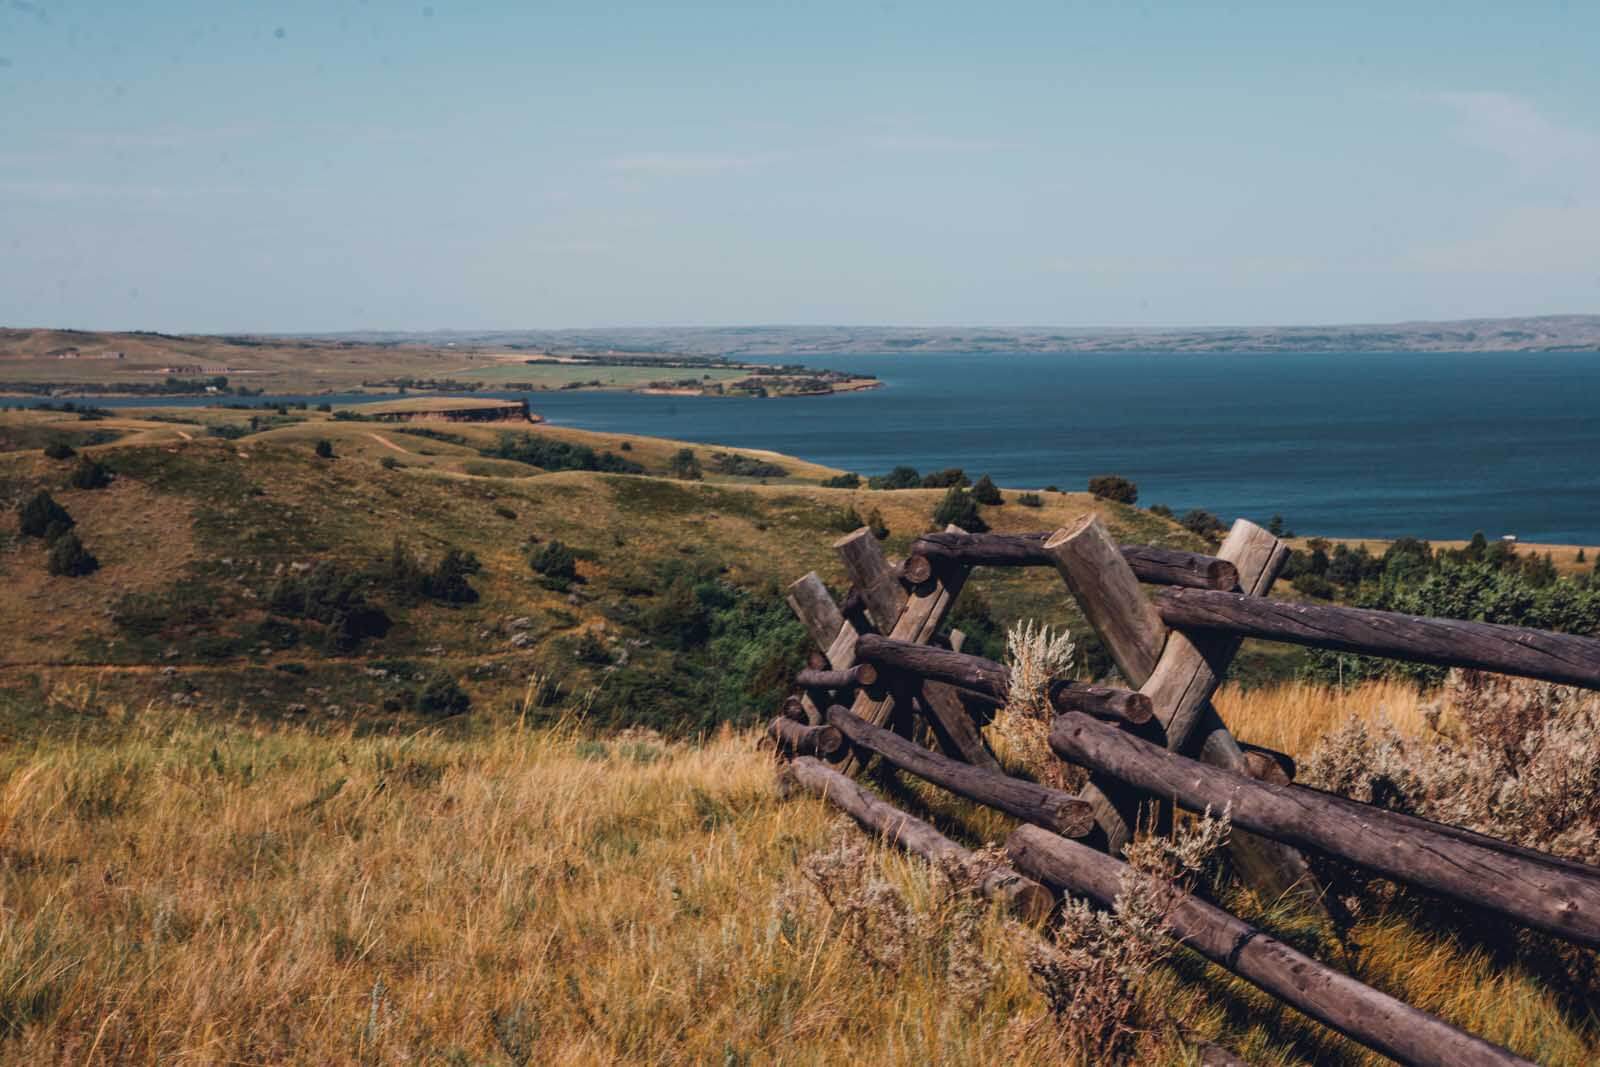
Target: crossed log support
880,652
1179,673
1175,672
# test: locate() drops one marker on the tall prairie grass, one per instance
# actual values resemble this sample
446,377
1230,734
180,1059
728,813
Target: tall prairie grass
179,891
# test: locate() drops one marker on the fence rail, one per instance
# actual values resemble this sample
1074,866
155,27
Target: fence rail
884,686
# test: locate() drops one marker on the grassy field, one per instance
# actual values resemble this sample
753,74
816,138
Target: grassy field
203,515
218,847
183,889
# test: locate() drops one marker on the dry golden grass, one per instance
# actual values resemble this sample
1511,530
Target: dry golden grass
1292,716
184,891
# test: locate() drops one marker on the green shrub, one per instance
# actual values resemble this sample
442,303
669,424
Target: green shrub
899,478
69,558
685,465
552,455
408,576
90,474
958,508
842,481
440,696
592,650
1313,585
1030,500
388,463
846,520
950,476
504,512
875,523
59,450
1203,524
739,466
41,516
332,596
555,560
984,491
324,449
1114,487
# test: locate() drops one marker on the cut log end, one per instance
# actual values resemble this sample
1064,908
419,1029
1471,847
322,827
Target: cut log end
852,537
1023,897
797,739
1102,702
917,569
1222,574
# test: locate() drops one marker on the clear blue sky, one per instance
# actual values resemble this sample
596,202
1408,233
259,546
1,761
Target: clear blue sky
340,164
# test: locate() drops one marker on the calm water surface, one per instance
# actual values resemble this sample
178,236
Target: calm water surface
1344,444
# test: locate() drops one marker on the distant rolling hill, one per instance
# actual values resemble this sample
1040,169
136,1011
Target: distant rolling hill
1531,334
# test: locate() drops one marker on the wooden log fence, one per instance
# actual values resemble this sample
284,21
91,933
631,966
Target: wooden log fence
1546,895
1336,1000
1158,566
1161,742
1568,659
1027,898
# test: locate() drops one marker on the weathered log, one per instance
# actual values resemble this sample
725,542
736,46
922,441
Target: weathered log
1103,702
833,631
1543,894
812,604
796,708
915,618
941,664
1158,566
991,680
1107,591
1268,765
1565,658
1029,801
802,740
1023,896
1336,1000
1179,680
849,677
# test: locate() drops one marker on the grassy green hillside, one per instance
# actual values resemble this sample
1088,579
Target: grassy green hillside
211,528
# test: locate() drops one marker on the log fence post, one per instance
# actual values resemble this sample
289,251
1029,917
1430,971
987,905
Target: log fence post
1179,674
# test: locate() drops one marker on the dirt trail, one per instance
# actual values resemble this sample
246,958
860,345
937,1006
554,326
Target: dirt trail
386,443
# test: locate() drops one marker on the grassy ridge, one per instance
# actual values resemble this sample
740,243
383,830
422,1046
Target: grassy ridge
487,893
204,517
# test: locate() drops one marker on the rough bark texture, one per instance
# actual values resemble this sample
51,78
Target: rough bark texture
916,620
848,678
1158,566
1565,658
1121,705
1108,594
1025,897
986,678
1338,1001
1052,808
802,740
1179,681
1543,894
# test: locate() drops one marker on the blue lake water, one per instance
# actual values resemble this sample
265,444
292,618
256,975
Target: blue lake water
1343,444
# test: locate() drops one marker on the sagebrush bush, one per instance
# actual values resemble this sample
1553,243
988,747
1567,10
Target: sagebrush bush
886,929
1514,759
1094,969
1036,658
